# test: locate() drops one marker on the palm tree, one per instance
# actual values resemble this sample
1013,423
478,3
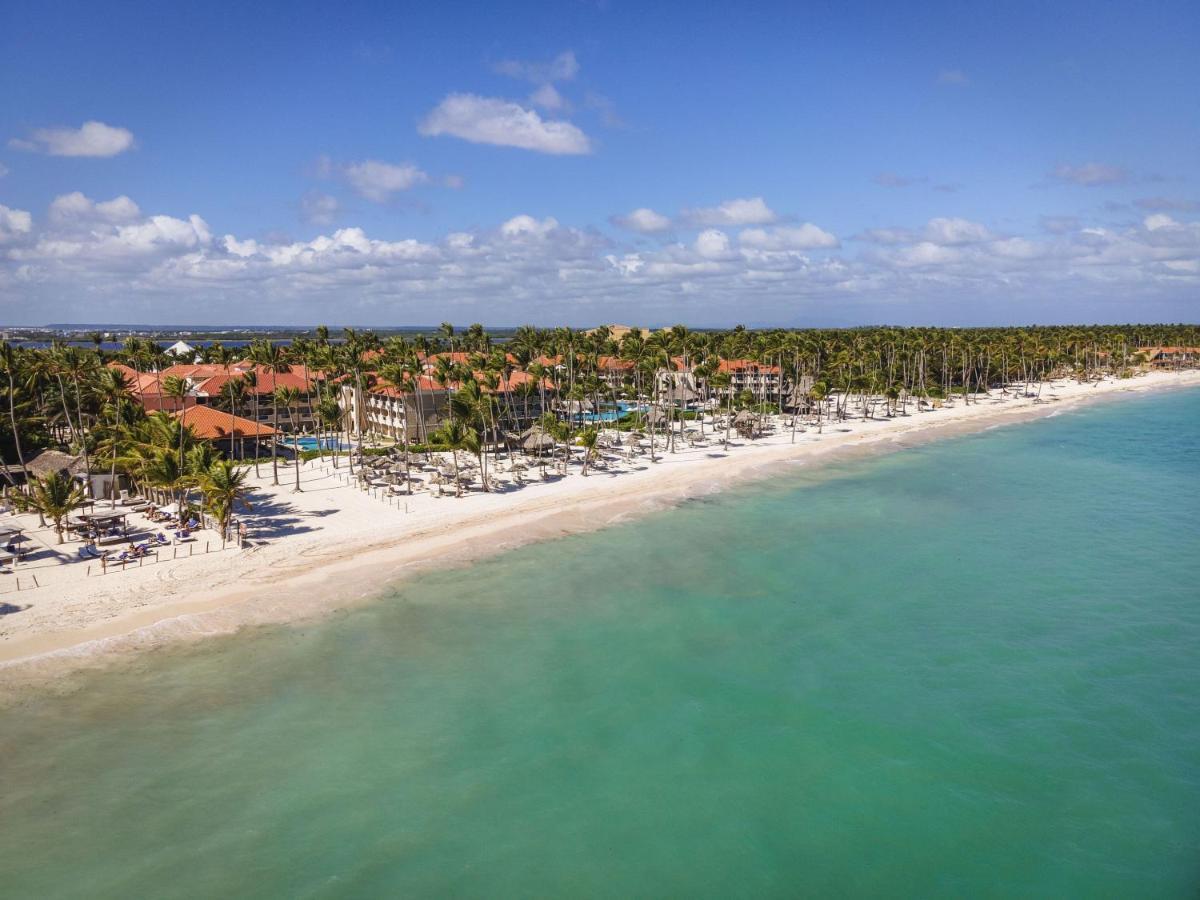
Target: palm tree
113,387
10,364
289,397
250,380
56,496
163,471
818,392
224,487
723,381
177,388
587,439
223,357
271,359
330,415
456,436
235,394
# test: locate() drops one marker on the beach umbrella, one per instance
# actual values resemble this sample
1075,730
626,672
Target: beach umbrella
656,417
535,439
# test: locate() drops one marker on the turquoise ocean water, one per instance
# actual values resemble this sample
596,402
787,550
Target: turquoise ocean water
968,669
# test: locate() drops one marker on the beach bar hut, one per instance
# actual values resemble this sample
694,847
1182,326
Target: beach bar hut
745,423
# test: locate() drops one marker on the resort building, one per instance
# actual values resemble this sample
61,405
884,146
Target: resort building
181,350
383,410
208,385
760,379
1171,357
238,438
147,389
615,372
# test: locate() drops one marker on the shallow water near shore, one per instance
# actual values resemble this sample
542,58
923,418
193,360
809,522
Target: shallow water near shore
969,668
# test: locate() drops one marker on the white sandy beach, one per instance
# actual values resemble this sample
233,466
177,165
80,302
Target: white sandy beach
332,544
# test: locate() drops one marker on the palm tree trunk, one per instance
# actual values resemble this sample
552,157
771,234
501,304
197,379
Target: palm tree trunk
275,441
12,417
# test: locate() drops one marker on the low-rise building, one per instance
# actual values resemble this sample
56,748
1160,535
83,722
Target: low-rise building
384,410
1171,357
208,386
233,435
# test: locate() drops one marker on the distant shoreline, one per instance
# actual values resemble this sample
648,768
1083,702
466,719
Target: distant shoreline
343,563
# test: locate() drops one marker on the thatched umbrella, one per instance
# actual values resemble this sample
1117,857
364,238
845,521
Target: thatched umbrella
536,439
744,423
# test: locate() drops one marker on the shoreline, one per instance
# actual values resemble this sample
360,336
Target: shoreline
297,579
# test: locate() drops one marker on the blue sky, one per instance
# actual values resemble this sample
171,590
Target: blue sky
578,163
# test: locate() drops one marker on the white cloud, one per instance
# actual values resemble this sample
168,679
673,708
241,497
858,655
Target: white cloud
563,67
317,208
1090,174
948,232
745,211
803,237
713,244
953,76
942,232
548,97
13,223
536,268
377,181
75,207
90,139
117,247
491,120
523,225
643,220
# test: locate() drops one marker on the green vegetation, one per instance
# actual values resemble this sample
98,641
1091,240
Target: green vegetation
474,391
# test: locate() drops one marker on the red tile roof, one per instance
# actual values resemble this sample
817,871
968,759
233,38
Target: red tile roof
430,385
614,364
745,365
211,424
266,382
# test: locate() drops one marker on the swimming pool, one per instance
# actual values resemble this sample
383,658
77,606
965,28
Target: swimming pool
607,413
310,443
